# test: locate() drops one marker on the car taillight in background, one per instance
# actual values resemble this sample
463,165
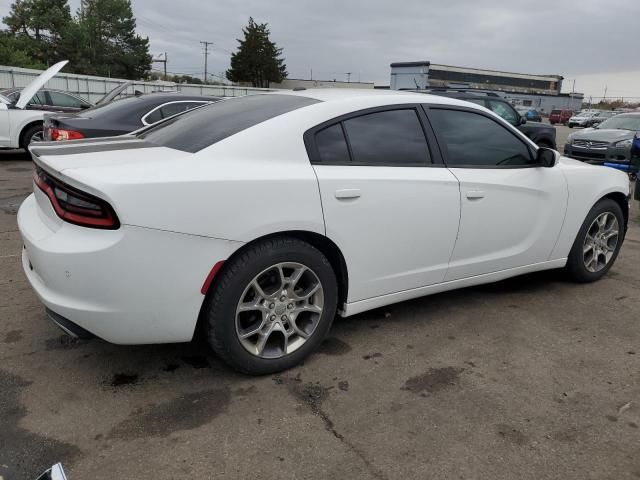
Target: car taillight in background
74,206
60,134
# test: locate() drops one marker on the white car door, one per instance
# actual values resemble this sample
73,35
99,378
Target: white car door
388,202
5,127
512,210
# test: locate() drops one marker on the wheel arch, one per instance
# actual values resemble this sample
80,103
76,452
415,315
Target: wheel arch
26,127
321,242
622,200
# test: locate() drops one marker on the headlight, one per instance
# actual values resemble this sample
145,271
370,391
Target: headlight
624,143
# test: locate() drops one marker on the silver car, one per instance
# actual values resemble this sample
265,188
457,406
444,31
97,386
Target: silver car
608,142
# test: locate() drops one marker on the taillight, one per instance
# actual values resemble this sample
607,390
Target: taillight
60,134
74,206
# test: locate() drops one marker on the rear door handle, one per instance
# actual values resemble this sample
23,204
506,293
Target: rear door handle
475,194
347,193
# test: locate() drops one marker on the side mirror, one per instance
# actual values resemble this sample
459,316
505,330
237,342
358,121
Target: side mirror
545,157
522,121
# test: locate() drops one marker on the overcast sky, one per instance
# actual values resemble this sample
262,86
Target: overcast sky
595,42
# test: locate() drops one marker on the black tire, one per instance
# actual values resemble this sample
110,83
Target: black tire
219,309
27,136
575,263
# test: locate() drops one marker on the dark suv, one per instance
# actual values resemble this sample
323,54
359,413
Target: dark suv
542,135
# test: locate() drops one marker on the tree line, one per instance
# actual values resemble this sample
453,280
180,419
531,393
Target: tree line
100,39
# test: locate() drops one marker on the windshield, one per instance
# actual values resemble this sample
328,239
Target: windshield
621,122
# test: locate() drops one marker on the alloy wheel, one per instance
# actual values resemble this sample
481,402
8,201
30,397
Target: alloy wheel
600,242
279,310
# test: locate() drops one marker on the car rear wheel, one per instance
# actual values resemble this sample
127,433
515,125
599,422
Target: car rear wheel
271,306
30,135
598,242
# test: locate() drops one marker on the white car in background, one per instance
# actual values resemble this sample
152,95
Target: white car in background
260,217
21,120
19,126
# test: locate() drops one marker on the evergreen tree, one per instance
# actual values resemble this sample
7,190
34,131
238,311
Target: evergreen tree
100,40
38,27
112,46
258,59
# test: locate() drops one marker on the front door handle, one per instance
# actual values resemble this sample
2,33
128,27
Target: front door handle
347,193
475,194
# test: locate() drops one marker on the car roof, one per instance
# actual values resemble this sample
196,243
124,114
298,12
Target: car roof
381,97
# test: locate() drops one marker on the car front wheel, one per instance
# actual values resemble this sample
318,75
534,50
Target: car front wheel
32,134
271,306
597,245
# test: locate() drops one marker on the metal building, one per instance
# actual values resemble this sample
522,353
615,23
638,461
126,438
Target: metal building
537,91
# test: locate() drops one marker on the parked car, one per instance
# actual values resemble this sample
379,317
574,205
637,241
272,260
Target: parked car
50,100
560,116
609,142
531,114
259,218
120,116
23,110
20,125
600,117
541,134
580,119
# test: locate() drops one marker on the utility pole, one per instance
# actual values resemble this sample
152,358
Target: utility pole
348,74
605,94
206,54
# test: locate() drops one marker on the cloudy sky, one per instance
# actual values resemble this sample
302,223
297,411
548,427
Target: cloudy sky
595,42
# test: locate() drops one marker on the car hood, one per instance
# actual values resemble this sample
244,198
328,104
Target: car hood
30,90
607,135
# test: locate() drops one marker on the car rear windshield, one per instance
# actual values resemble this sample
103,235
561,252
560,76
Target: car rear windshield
555,112
202,127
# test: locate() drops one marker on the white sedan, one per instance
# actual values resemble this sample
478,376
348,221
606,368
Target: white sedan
20,126
258,218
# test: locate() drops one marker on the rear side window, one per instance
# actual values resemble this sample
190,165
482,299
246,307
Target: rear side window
332,146
59,99
390,137
473,140
387,138
205,126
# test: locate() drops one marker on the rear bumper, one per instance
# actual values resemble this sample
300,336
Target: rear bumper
128,286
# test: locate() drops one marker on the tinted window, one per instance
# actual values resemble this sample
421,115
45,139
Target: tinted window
175,108
59,99
503,110
332,146
389,137
205,126
473,139
38,99
153,117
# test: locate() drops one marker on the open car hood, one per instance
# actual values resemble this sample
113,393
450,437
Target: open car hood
30,90
114,93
